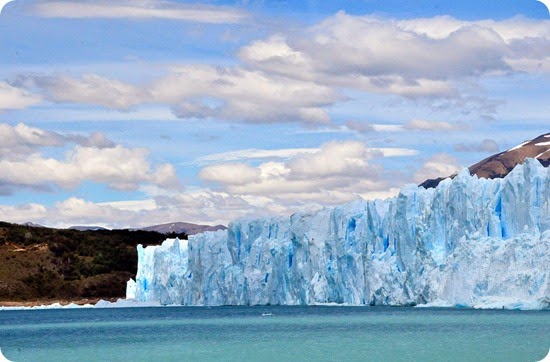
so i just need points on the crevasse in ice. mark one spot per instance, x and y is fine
(469, 242)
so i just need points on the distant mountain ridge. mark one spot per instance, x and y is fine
(85, 228)
(31, 224)
(168, 228)
(500, 164)
(182, 227)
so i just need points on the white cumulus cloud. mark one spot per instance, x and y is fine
(16, 98)
(427, 59)
(439, 165)
(198, 91)
(336, 172)
(89, 89)
(94, 158)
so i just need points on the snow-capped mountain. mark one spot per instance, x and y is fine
(500, 164)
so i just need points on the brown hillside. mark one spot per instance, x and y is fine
(38, 263)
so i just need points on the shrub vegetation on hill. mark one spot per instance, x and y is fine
(38, 263)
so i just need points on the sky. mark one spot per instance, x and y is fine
(129, 113)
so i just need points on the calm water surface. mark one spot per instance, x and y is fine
(274, 334)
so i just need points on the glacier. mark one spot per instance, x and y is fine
(469, 242)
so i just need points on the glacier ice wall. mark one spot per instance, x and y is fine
(469, 242)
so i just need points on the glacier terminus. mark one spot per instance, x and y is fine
(469, 242)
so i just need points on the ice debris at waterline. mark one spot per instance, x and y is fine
(3, 358)
(120, 303)
(470, 242)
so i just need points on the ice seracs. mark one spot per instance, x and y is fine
(469, 242)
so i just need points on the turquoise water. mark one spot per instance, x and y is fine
(284, 334)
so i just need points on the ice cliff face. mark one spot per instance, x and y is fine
(470, 242)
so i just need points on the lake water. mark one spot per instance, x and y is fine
(274, 334)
